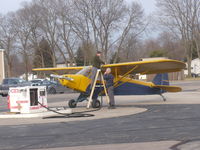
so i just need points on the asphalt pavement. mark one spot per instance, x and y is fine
(177, 122)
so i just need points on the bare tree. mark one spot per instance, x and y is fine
(48, 24)
(23, 29)
(180, 17)
(134, 25)
(171, 45)
(109, 23)
(68, 38)
(98, 18)
(7, 40)
(128, 50)
(34, 21)
(196, 27)
(105, 25)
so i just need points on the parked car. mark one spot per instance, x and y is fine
(53, 87)
(194, 75)
(12, 82)
(36, 82)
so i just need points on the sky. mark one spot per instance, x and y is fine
(13, 5)
(10, 5)
(148, 5)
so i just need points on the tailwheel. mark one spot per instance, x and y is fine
(96, 104)
(72, 103)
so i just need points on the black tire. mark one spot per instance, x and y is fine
(52, 91)
(4, 95)
(72, 103)
(96, 104)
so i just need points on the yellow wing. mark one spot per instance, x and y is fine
(142, 67)
(146, 67)
(63, 70)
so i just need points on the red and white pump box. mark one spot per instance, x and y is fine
(27, 99)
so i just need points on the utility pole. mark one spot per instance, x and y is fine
(2, 67)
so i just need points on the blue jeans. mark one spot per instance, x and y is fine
(111, 95)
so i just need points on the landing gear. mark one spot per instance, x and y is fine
(164, 99)
(52, 91)
(82, 97)
(96, 104)
(72, 103)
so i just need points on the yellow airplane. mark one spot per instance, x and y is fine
(123, 84)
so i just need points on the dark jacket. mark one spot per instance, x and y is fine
(97, 62)
(109, 80)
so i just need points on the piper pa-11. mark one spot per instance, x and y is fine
(124, 83)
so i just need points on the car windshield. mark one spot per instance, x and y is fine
(53, 82)
(85, 71)
(21, 81)
(5, 81)
(47, 82)
(35, 81)
(13, 81)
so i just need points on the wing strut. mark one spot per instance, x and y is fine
(127, 73)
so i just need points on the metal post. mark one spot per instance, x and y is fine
(2, 70)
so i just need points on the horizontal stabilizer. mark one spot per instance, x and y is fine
(168, 88)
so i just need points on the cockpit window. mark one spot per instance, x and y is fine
(86, 71)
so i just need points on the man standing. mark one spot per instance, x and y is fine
(96, 64)
(109, 78)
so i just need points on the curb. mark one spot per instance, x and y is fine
(33, 115)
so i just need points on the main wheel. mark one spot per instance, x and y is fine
(72, 103)
(96, 104)
(52, 91)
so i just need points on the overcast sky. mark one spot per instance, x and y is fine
(148, 5)
(12, 5)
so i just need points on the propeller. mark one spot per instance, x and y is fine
(61, 77)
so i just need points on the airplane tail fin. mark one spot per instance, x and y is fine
(161, 79)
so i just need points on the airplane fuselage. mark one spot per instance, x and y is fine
(126, 86)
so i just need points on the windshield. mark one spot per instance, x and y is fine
(13, 81)
(35, 81)
(5, 81)
(21, 81)
(85, 71)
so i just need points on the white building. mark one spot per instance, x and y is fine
(195, 66)
(61, 64)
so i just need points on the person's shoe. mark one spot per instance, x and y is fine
(111, 107)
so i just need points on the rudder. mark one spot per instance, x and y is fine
(161, 79)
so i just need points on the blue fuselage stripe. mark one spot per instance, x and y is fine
(136, 89)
